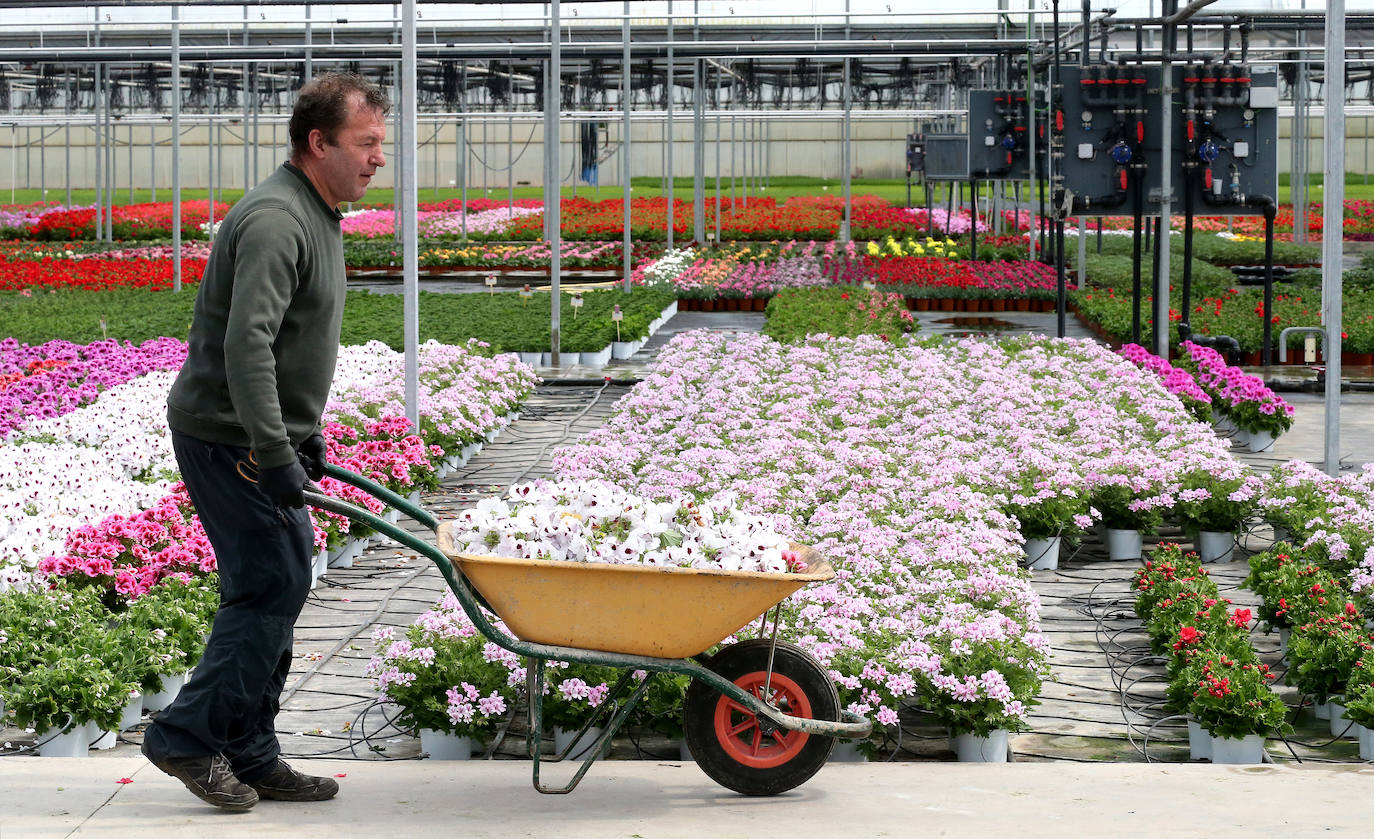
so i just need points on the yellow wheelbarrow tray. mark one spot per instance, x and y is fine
(652, 619)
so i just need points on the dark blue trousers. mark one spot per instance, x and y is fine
(264, 553)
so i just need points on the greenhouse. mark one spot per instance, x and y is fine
(680, 403)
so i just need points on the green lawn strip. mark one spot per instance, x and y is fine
(504, 320)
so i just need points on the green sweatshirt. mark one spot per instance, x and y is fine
(265, 335)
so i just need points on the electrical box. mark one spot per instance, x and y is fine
(946, 157)
(998, 123)
(1225, 138)
(915, 154)
(1108, 138)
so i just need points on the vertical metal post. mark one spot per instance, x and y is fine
(109, 157)
(510, 163)
(719, 85)
(698, 153)
(1166, 188)
(668, 131)
(176, 148)
(625, 245)
(247, 108)
(399, 123)
(553, 96)
(67, 150)
(1333, 204)
(1031, 161)
(43, 164)
(131, 162)
(1297, 182)
(407, 163)
(308, 68)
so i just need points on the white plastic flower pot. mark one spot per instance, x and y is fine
(1043, 554)
(69, 742)
(970, 748)
(595, 360)
(133, 712)
(1215, 546)
(99, 738)
(1233, 751)
(1321, 710)
(847, 752)
(1260, 441)
(1341, 726)
(1199, 742)
(621, 350)
(171, 686)
(564, 737)
(441, 745)
(533, 359)
(1222, 422)
(1123, 544)
(1280, 532)
(1284, 634)
(1366, 736)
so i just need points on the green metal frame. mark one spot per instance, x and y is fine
(851, 727)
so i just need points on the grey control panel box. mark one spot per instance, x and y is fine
(946, 157)
(1225, 137)
(1108, 126)
(998, 141)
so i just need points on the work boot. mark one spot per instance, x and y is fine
(210, 779)
(282, 783)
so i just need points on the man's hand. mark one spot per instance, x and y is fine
(312, 456)
(284, 484)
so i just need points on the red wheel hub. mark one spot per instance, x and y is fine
(762, 745)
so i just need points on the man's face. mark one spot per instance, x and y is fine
(347, 165)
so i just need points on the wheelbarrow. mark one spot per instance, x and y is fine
(760, 716)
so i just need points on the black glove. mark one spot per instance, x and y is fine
(312, 456)
(284, 484)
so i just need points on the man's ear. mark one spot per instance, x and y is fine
(316, 142)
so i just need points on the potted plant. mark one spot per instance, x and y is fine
(1324, 654)
(984, 697)
(1047, 508)
(1129, 508)
(574, 693)
(62, 694)
(1214, 506)
(1232, 700)
(1166, 574)
(451, 685)
(660, 709)
(1359, 703)
(171, 622)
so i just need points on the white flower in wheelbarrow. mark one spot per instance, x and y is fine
(597, 521)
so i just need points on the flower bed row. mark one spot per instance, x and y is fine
(900, 467)
(112, 458)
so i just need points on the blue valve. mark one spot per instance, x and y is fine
(1009, 142)
(1121, 154)
(1208, 151)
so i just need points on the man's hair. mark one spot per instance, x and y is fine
(324, 104)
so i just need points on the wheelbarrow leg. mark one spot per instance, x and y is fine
(534, 681)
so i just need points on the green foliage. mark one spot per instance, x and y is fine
(1359, 692)
(793, 314)
(503, 320)
(457, 660)
(1233, 697)
(1324, 654)
(1216, 511)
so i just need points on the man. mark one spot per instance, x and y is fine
(245, 414)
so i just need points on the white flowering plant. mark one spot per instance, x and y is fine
(1217, 501)
(597, 521)
(444, 675)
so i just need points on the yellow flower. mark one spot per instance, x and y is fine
(873, 249)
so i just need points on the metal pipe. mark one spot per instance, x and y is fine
(408, 175)
(552, 210)
(1333, 201)
(625, 94)
(668, 132)
(176, 148)
(1166, 192)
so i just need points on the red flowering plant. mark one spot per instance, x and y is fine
(1191, 647)
(1203, 612)
(1323, 653)
(1294, 591)
(1168, 573)
(1359, 692)
(1231, 696)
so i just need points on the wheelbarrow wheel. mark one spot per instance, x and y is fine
(747, 754)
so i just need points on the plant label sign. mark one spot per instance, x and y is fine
(526, 294)
(617, 316)
(491, 283)
(576, 303)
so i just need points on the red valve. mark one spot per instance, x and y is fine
(1042, 130)
(1059, 121)
(1190, 130)
(1123, 81)
(1139, 80)
(1242, 80)
(1008, 158)
(1123, 180)
(1207, 179)
(1087, 81)
(1018, 128)
(1140, 131)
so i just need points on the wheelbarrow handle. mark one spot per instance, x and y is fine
(376, 490)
